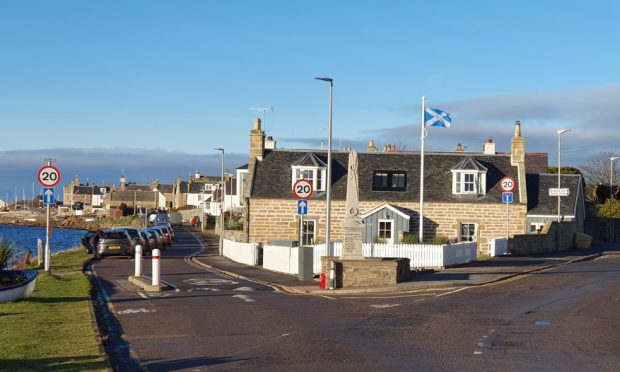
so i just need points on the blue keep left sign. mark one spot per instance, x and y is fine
(507, 197)
(302, 207)
(48, 196)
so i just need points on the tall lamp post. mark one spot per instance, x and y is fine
(611, 195)
(560, 132)
(221, 250)
(329, 167)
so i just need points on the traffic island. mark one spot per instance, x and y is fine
(146, 283)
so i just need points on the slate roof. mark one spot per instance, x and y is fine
(540, 203)
(119, 195)
(469, 163)
(273, 175)
(310, 160)
(165, 188)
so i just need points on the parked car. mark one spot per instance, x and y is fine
(176, 219)
(147, 248)
(166, 234)
(114, 242)
(167, 229)
(90, 240)
(161, 239)
(134, 236)
(152, 238)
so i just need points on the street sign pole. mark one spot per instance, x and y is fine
(48, 254)
(507, 220)
(49, 176)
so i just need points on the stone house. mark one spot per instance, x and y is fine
(462, 200)
(84, 198)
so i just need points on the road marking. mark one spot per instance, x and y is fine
(245, 298)
(477, 352)
(451, 292)
(203, 289)
(542, 323)
(244, 289)
(135, 311)
(329, 298)
(215, 281)
(384, 306)
(285, 334)
(143, 295)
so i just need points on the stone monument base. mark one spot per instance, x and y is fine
(367, 272)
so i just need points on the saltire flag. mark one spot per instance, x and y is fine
(436, 118)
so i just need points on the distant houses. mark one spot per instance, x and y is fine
(197, 193)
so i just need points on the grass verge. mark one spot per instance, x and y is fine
(53, 329)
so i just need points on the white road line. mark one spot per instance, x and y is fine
(245, 298)
(384, 306)
(329, 298)
(143, 295)
(451, 292)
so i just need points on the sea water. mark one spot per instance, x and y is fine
(25, 238)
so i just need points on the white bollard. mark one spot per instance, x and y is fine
(138, 260)
(155, 270)
(332, 275)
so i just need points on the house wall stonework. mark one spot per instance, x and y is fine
(272, 219)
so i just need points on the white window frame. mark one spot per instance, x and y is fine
(479, 183)
(474, 237)
(537, 227)
(391, 222)
(318, 177)
(304, 232)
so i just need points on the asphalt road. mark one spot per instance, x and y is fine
(567, 319)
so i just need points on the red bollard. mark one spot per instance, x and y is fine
(323, 281)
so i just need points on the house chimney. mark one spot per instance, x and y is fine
(489, 147)
(270, 143)
(459, 148)
(257, 150)
(371, 146)
(517, 159)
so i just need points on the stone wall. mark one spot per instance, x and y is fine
(545, 241)
(367, 272)
(277, 219)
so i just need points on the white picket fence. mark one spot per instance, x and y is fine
(245, 253)
(421, 256)
(286, 259)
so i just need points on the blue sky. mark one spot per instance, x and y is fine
(152, 87)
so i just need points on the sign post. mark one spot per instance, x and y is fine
(48, 176)
(507, 185)
(302, 190)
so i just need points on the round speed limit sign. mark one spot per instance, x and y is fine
(302, 189)
(48, 176)
(507, 184)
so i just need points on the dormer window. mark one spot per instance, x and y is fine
(312, 168)
(469, 178)
(389, 181)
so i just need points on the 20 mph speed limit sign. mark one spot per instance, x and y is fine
(302, 189)
(507, 184)
(48, 176)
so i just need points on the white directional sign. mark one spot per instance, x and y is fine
(507, 184)
(554, 191)
(302, 189)
(48, 176)
(302, 207)
(48, 196)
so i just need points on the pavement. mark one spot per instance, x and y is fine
(477, 273)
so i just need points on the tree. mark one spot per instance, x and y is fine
(611, 207)
(565, 170)
(597, 168)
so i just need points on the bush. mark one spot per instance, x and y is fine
(378, 240)
(7, 253)
(440, 239)
(411, 239)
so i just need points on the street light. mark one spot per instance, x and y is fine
(329, 166)
(221, 250)
(611, 193)
(560, 132)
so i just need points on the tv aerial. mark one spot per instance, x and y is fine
(261, 111)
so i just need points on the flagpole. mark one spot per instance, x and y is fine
(421, 224)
